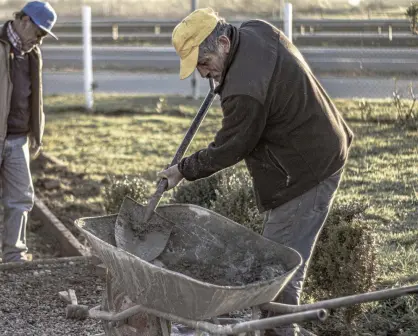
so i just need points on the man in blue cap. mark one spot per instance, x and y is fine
(21, 118)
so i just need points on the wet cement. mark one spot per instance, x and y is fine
(130, 220)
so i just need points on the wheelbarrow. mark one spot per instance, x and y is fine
(210, 267)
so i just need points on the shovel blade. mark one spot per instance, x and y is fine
(144, 240)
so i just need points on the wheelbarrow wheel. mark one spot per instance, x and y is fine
(115, 300)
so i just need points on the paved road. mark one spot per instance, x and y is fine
(138, 83)
(402, 60)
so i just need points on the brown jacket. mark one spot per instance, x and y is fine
(6, 87)
(277, 117)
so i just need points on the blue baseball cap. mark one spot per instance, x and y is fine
(42, 14)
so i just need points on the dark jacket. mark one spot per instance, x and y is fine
(277, 117)
(37, 120)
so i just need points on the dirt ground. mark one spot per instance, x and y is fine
(65, 193)
(53, 185)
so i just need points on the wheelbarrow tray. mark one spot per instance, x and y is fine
(203, 239)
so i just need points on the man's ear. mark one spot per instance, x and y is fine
(225, 43)
(25, 21)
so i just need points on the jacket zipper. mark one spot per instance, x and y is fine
(279, 166)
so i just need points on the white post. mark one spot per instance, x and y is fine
(195, 83)
(88, 60)
(288, 20)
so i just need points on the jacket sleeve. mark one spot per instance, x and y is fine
(242, 126)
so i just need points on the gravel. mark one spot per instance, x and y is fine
(29, 301)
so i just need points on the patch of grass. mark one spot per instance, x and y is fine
(381, 174)
(116, 104)
(380, 111)
(143, 141)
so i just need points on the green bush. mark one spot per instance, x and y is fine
(344, 261)
(200, 192)
(235, 199)
(134, 186)
(228, 193)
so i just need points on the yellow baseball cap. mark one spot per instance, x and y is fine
(189, 34)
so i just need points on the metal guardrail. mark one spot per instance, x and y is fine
(305, 39)
(315, 24)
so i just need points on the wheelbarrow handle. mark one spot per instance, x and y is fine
(214, 329)
(345, 301)
(162, 185)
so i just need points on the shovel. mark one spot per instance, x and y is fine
(145, 233)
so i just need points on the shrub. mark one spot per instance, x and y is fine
(200, 192)
(412, 14)
(407, 114)
(235, 199)
(134, 186)
(228, 193)
(344, 261)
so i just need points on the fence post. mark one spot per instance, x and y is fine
(288, 20)
(195, 84)
(88, 61)
(115, 31)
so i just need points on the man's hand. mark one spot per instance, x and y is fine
(34, 149)
(173, 176)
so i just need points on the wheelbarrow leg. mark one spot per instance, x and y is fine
(255, 313)
(115, 300)
(116, 313)
(164, 326)
(216, 321)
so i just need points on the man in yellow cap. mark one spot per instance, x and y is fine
(278, 118)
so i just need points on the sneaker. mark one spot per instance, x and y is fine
(23, 258)
(28, 257)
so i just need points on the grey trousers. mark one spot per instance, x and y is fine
(18, 196)
(297, 224)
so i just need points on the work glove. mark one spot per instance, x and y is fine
(173, 175)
